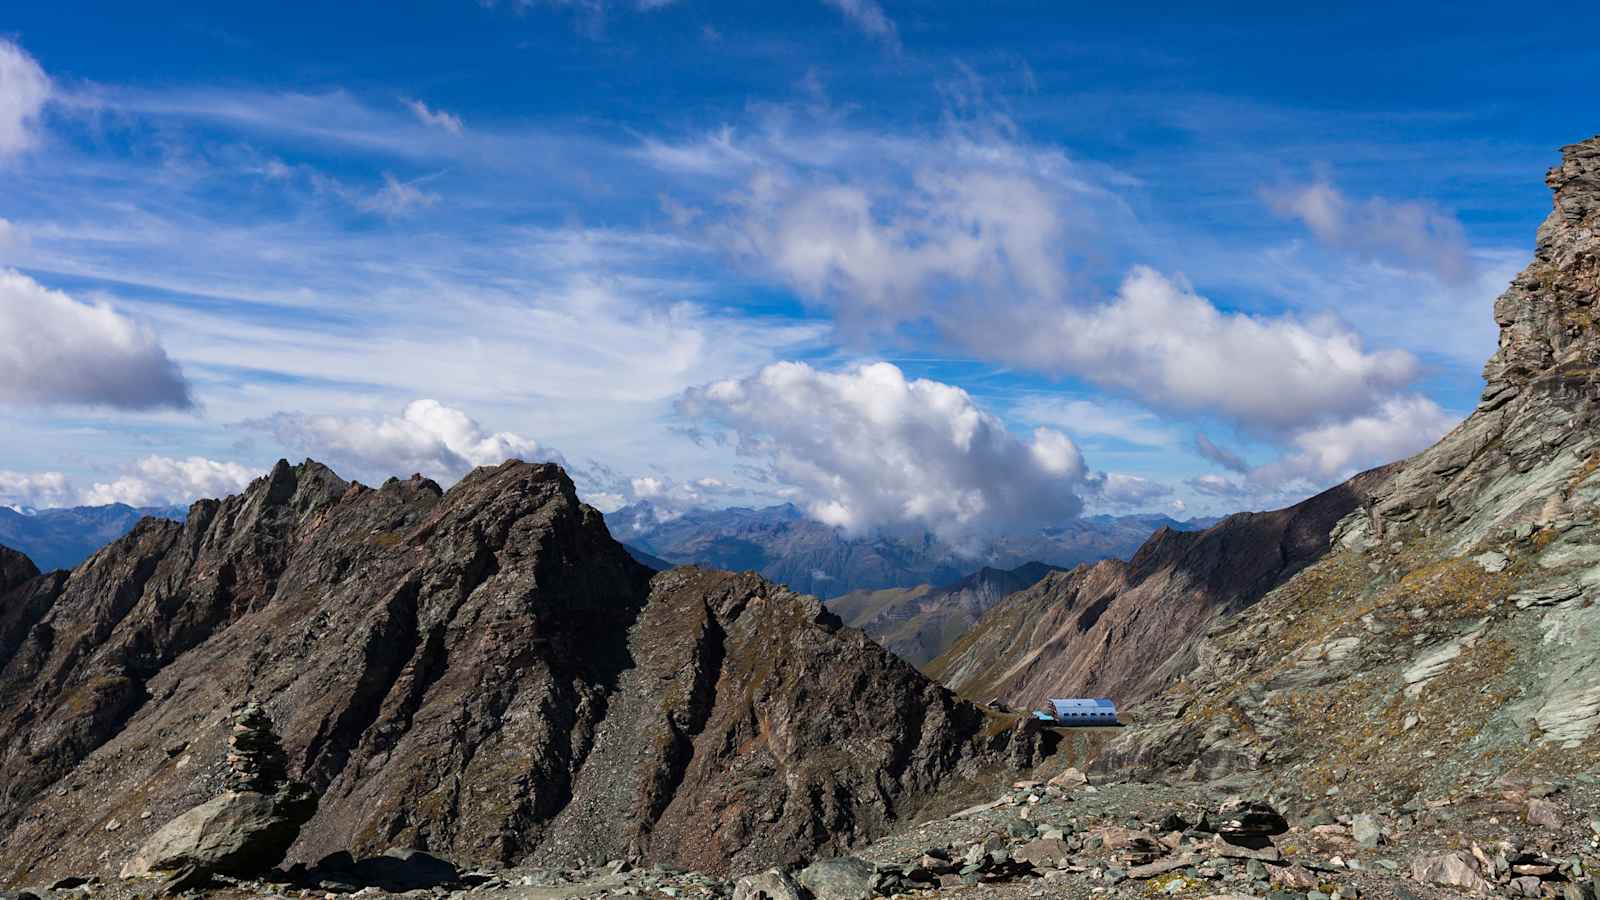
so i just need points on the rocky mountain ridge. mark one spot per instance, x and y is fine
(483, 673)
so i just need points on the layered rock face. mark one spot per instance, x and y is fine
(1127, 629)
(482, 673)
(1454, 627)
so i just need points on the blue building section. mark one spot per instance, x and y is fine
(1081, 711)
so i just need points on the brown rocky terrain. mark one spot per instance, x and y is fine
(482, 673)
(1127, 629)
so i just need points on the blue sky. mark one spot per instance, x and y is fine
(956, 266)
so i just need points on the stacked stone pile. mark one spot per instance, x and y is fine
(256, 760)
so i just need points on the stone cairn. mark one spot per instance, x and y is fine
(256, 761)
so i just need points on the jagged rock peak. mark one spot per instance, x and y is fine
(483, 672)
(1547, 315)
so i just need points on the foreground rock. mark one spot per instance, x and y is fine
(248, 829)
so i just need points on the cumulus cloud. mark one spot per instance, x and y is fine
(1404, 232)
(22, 489)
(427, 437)
(434, 118)
(1318, 456)
(24, 89)
(885, 254)
(160, 480)
(1160, 341)
(57, 350)
(1223, 457)
(867, 449)
(1399, 427)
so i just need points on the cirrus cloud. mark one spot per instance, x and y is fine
(24, 88)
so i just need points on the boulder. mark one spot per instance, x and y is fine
(1227, 849)
(1247, 821)
(773, 884)
(840, 878)
(1293, 877)
(1046, 853)
(1544, 814)
(237, 833)
(1069, 779)
(1367, 830)
(1455, 869)
(398, 871)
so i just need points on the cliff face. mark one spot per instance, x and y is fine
(482, 673)
(1126, 630)
(1455, 620)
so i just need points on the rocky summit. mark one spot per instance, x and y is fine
(482, 674)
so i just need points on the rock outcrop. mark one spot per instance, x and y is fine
(481, 673)
(1452, 629)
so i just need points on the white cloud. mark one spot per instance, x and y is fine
(1222, 456)
(1399, 427)
(427, 437)
(1321, 455)
(24, 88)
(160, 480)
(868, 16)
(1406, 232)
(57, 350)
(20, 489)
(867, 449)
(434, 118)
(886, 253)
(1161, 342)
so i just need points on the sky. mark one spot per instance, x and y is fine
(909, 265)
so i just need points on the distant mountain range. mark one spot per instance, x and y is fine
(920, 623)
(785, 545)
(62, 538)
